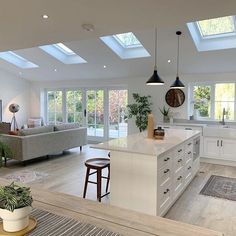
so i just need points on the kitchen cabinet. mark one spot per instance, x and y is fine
(220, 148)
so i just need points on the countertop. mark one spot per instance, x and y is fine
(139, 143)
(115, 219)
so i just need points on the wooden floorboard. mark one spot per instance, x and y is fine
(66, 174)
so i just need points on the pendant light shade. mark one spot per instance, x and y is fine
(177, 83)
(155, 78)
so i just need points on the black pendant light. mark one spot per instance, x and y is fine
(155, 78)
(177, 83)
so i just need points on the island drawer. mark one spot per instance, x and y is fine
(165, 196)
(188, 171)
(188, 155)
(165, 174)
(178, 183)
(178, 163)
(164, 160)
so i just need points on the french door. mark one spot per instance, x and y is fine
(102, 111)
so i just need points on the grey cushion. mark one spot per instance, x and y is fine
(66, 126)
(39, 130)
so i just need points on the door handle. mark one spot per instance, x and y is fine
(85, 113)
(217, 143)
(221, 143)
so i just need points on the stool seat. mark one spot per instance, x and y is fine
(95, 163)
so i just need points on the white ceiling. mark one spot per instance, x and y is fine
(21, 26)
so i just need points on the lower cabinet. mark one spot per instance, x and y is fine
(176, 170)
(219, 148)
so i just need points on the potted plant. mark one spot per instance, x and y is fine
(15, 207)
(140, 110)
(165, 113)
(5, 151)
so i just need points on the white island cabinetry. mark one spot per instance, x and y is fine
(149, 175)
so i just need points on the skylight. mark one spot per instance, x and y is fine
(217, 27)
(127, 40)
(17, 60)
(63, 53)
(125, 45)
(64, 49)
(214, 34)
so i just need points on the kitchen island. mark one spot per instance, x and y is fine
(149, 175)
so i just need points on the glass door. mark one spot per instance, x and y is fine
(95, 114)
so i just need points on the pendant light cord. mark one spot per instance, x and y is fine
(155, 48)
(178, 58)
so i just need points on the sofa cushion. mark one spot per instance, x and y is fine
(66, 126)
(39, 130)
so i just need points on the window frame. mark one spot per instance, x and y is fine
(212, 100)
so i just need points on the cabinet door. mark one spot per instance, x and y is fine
(228, 150)
(211, 147)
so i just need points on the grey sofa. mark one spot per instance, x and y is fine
(46, 140)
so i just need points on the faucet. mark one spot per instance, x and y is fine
(223, 117)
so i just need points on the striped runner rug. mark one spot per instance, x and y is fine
(50, 224)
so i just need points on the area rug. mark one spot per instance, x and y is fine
(25, 176)
(220, 187)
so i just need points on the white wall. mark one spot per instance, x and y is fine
(134, 85)
(14, 90)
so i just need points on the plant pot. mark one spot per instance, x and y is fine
(16, 220)
(166, 119)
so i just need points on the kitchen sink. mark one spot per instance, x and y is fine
(224, 131)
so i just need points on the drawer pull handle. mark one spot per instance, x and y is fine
(188, 129)
(180, 160)
(166, 171)
(167, 159)
(180, 150)
(180, 177)
(189, 144)
(189, 167)
(189, 152)
(167, 190)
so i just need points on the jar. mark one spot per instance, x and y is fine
(159, 133)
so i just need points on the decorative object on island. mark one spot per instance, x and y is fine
(15, 207)
(150, 126)
(177, 83)
(165, 113)
(155, 78)
(159, 133)
(175, 97)
(140, 110)
(13, 108)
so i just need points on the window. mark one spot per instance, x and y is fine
(127, 40)
(74, 106)
(209, 100)
(54, 107)
(217, 26)
(64, 49)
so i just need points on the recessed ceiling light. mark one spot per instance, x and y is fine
(55, 69)
(88, 27)
(20, 73)
(104, 66)
(169, 61)
(45, 16)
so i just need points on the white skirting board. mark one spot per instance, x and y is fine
(218, 161)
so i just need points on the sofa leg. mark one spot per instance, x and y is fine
(80, 148)
(5, 161)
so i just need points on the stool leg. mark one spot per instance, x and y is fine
(108, 180)
(99, 184)
(86, 182)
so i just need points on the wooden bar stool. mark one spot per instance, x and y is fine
(97, 164)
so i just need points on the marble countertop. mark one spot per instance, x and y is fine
(139, 143)
(182, 124)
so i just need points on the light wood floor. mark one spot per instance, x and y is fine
(66, 174)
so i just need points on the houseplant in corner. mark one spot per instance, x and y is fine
(140, 110)
(15, 207)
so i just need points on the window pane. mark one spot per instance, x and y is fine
(202, 97)
(79, 118)
(224, 92)
(70, 117)
(58, 100)
(59, 117)
(229, 110)
(70, 101)
(51, 102)
(78, 101)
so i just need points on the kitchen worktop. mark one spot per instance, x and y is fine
(139, 143)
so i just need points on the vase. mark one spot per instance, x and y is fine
(16, 220)
(166, 119)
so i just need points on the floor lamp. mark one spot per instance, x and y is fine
(13, 108)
